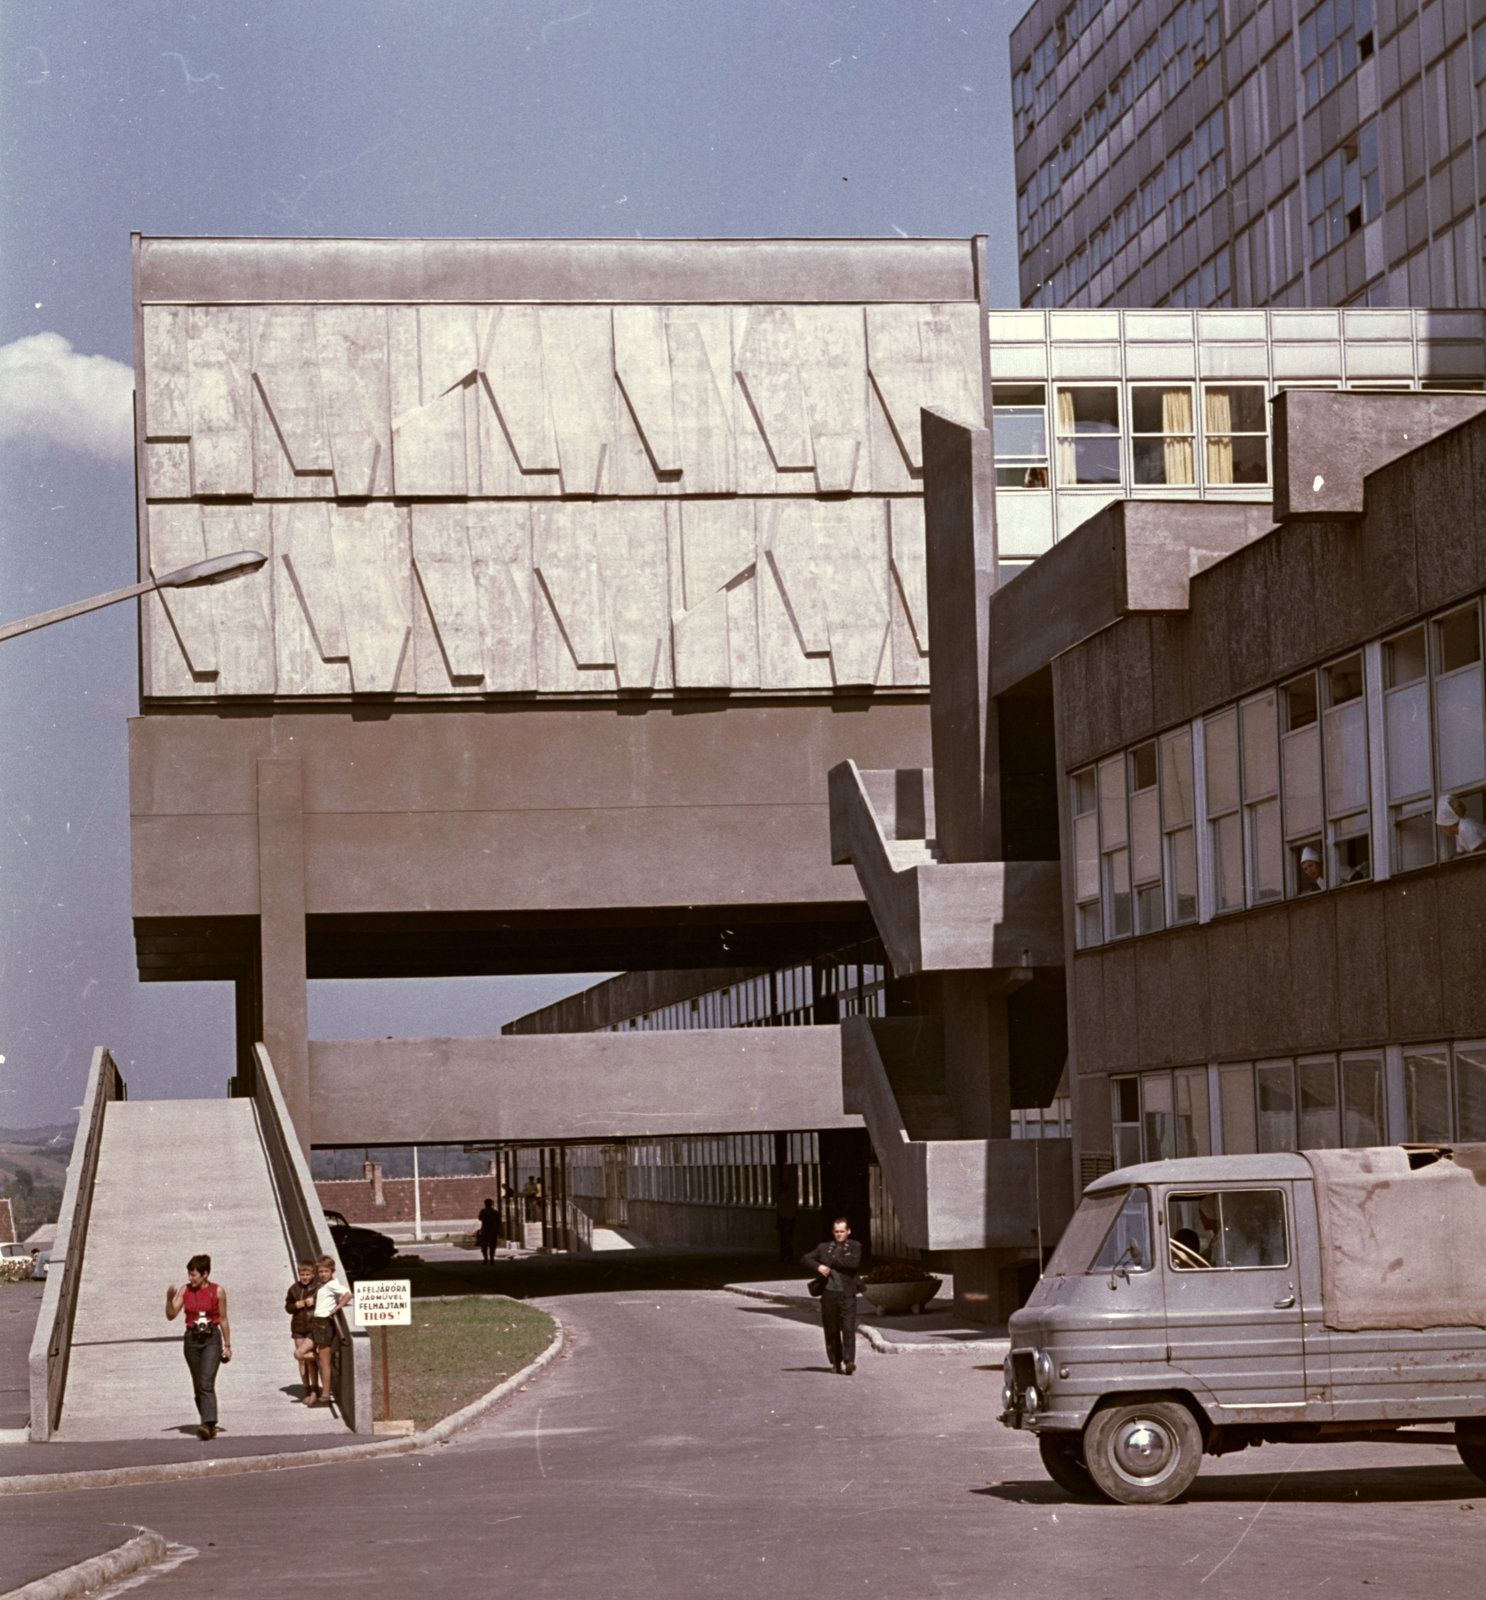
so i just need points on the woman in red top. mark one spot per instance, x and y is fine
(208, 1338)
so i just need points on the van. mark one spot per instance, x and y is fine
(1208, 1305)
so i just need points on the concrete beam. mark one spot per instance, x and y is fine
(576, 1086)
(1134, 555)
(1326, 442)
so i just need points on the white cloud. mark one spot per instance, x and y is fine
(51, 395)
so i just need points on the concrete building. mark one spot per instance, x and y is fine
(1271, 786)
(595, 635)
(1248, 154)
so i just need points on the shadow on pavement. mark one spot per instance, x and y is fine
(556, 1276)
(1330, 1486)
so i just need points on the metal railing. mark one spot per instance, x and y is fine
(579, 1226)
(52, 1345)
(309, 1234)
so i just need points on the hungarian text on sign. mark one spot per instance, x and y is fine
(383, 1303)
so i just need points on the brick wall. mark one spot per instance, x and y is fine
(443, 1199)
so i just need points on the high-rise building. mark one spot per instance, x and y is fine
(1249, 152)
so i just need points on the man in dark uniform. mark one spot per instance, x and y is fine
(838, 1261)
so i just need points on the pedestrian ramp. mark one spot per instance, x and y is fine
(151, 1184)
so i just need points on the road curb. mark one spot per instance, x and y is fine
(143, 1550)
(883, 1347)
(232, 1466)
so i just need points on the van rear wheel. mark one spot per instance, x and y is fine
(1144, 1453)
(1470, 1441)
(1063, 1456)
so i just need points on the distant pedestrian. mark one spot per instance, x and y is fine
(208, 1341)
(299, 1302)
(786, 1213)
(331, 1296)
(531, 1194)
(489, 1230)
(838, 1261)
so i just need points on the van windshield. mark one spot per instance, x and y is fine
(1113, 1218)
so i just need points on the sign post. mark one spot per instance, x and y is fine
(385, 1303)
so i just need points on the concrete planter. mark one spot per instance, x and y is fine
(893, 1299)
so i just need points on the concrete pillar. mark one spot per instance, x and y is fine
(284, 989)
(960, 554)
(977, 1063)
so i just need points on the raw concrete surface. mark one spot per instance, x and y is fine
(36, 1549)
(691, 1442)
(177, 1177)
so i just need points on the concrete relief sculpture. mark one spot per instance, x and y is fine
(466, 500)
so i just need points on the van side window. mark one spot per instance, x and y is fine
(1226, 1228)
(1128, 1242)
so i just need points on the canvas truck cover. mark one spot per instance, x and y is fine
(1402, 1246)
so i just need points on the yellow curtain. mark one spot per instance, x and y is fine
(1219, 420)
(1176, 424)
(1067, 457)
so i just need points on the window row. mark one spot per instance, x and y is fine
(1166, 436)
(1344, 191)
(1314, 1102)
(1279, 795)
(1210, 285)
(1333, 39)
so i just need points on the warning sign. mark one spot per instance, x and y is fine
(383, 1303)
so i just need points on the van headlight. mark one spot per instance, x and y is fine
(1008, 1397)
(1032, 1400)
(1042, 1365)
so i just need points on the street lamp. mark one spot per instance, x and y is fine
(197, 576)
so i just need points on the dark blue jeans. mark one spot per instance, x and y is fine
(838, 1312)
(204, 1356)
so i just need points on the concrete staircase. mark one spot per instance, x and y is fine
(178, 1177)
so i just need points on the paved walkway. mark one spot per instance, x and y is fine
(178, 1177)
(695, 1443)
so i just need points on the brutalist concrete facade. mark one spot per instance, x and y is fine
(1271, 787)
(1246, 154)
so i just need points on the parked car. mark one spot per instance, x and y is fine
(364, 1252)
(1211, 1304)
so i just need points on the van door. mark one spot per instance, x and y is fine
(1233, 1305)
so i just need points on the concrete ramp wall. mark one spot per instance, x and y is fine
(560, 1086)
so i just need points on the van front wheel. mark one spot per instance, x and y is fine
(1063, 1456)
(1143, 1454)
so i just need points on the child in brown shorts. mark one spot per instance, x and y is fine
(299, 1302)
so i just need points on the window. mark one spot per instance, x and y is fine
(1020, 414)
(1227, 1229)
(1445, 1092)
(1344, 192)
(1147, 65)
(1152, 197)
(1461, 730)
(1212, 166)
(1224, 822)
(1181, 187)
(1300, 761)
(1215, 285)
(1176, 60)
(1406, 735)
(1348, 823)
(1333, 39)
(1126, 221)
(1088, 436)
(1089, 915)
(1128, 1244)
(1178, 818)
(1023, 116)
(1145, 839)
(1470, 1092)
(1235, 423)
(1161, 426)
(1125, 1112)
(1261, 793)
(1101, 248)
(1114, 842)
(1306, 1105)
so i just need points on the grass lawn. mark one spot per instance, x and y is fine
(455, 1351)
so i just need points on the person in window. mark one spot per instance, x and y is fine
(1312, 871)
(1451, 819)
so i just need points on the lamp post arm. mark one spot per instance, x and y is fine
(201, 573)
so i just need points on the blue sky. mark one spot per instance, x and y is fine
(689, 118)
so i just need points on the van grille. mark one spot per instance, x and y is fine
(1022, 1369)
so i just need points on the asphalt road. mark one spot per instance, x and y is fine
(691, 1442)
